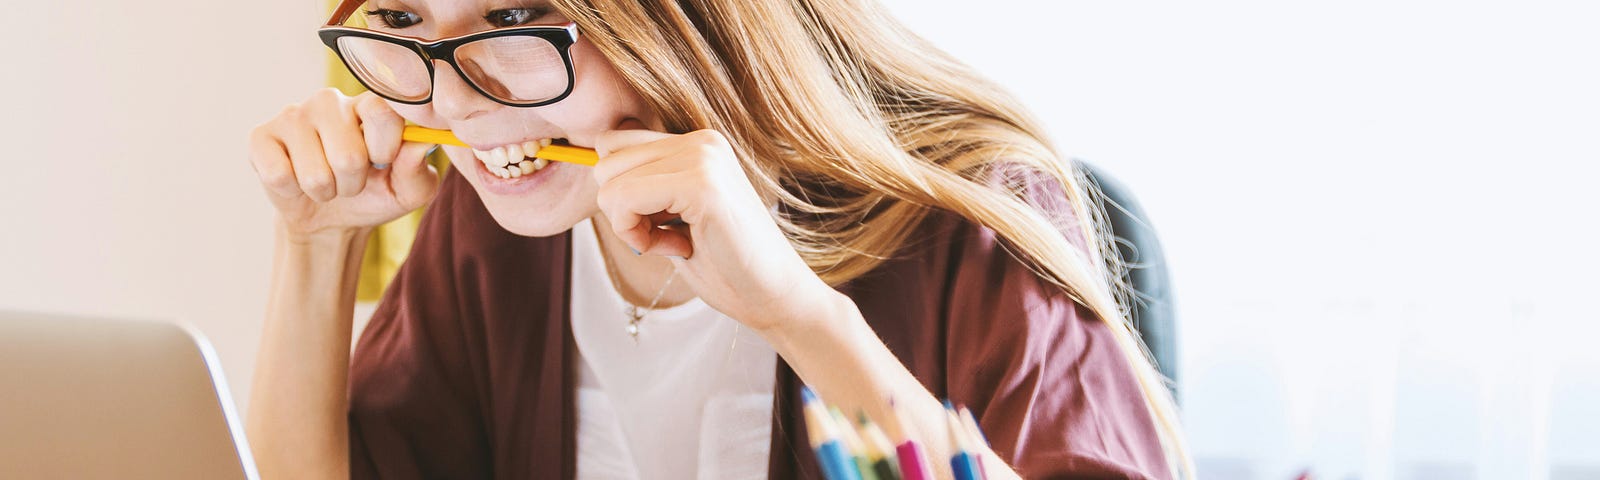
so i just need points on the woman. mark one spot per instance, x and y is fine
(787, 192)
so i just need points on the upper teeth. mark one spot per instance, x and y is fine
(511, 161)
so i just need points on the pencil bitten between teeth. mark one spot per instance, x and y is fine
(546, 149)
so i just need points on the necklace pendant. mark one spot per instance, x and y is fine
(633, 321)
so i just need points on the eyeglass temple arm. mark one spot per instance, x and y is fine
(343, 11)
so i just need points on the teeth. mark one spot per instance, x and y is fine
(511, 161)
(503, 155)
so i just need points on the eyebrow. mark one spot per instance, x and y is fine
(494, 5)
(391, 5)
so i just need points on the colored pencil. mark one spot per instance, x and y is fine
(835, 463)
(907, 453)
(975, 435)
(879, 452)
(852, 444)
(962, 462)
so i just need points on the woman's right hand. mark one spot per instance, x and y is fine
(337, 163)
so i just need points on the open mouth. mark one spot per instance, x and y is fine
(515, 160)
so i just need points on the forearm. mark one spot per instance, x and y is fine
(843, 360)
(298, 402)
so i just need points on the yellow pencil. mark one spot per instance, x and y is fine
(558, 153)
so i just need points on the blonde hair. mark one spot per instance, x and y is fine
(858, 128)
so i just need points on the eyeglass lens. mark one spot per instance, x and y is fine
(517, 69)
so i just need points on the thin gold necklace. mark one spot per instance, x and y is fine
(634, 313)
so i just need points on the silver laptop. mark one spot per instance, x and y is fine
(85, 398)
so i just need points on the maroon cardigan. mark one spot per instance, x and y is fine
(465, 370)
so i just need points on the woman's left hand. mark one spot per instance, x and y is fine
(728, 247)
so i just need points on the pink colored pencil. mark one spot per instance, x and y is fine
(913, 465)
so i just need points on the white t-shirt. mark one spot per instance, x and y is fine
(692, 398)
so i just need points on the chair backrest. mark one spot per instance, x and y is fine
(1152, 309)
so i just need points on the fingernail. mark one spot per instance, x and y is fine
(380, 166)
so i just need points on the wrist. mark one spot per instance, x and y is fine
(341, 239)
(825, 313)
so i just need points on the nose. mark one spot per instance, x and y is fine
(453, 98)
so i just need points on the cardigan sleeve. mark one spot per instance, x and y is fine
(1045, 376)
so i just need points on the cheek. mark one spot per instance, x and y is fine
(599, 99)
(419, 114)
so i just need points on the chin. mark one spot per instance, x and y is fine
(521, 223)
(529, 219)
(559, 201)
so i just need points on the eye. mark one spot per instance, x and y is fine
(511, 17)
(395, 18)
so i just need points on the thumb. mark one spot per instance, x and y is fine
(412, 179)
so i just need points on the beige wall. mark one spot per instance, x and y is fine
(124, 188)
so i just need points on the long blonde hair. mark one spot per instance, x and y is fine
(858, 128)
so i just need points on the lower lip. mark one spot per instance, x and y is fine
(516, 185)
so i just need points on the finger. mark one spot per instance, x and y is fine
(311, 169)
(632, 160)
(667, 242)
(380, 127)
(646, 237)
(614, 140)
(669, 236)
(271, 163)
(413, 180)
(630, 203)
(342, 144)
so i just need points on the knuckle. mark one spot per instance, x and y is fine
(277, 177)
(292, 112)
(709, 137)
(348, 160)
(372, 103)
(261, 134)
(315, 184)
(707, 150)
(328, 94)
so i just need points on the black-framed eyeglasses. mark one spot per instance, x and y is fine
(518, 66)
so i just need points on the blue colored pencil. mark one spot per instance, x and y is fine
(836, 463)
(962, 461)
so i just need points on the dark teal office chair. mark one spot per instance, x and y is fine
(1152, 311)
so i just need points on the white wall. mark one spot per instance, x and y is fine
(1378, 212)
(125, 190)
